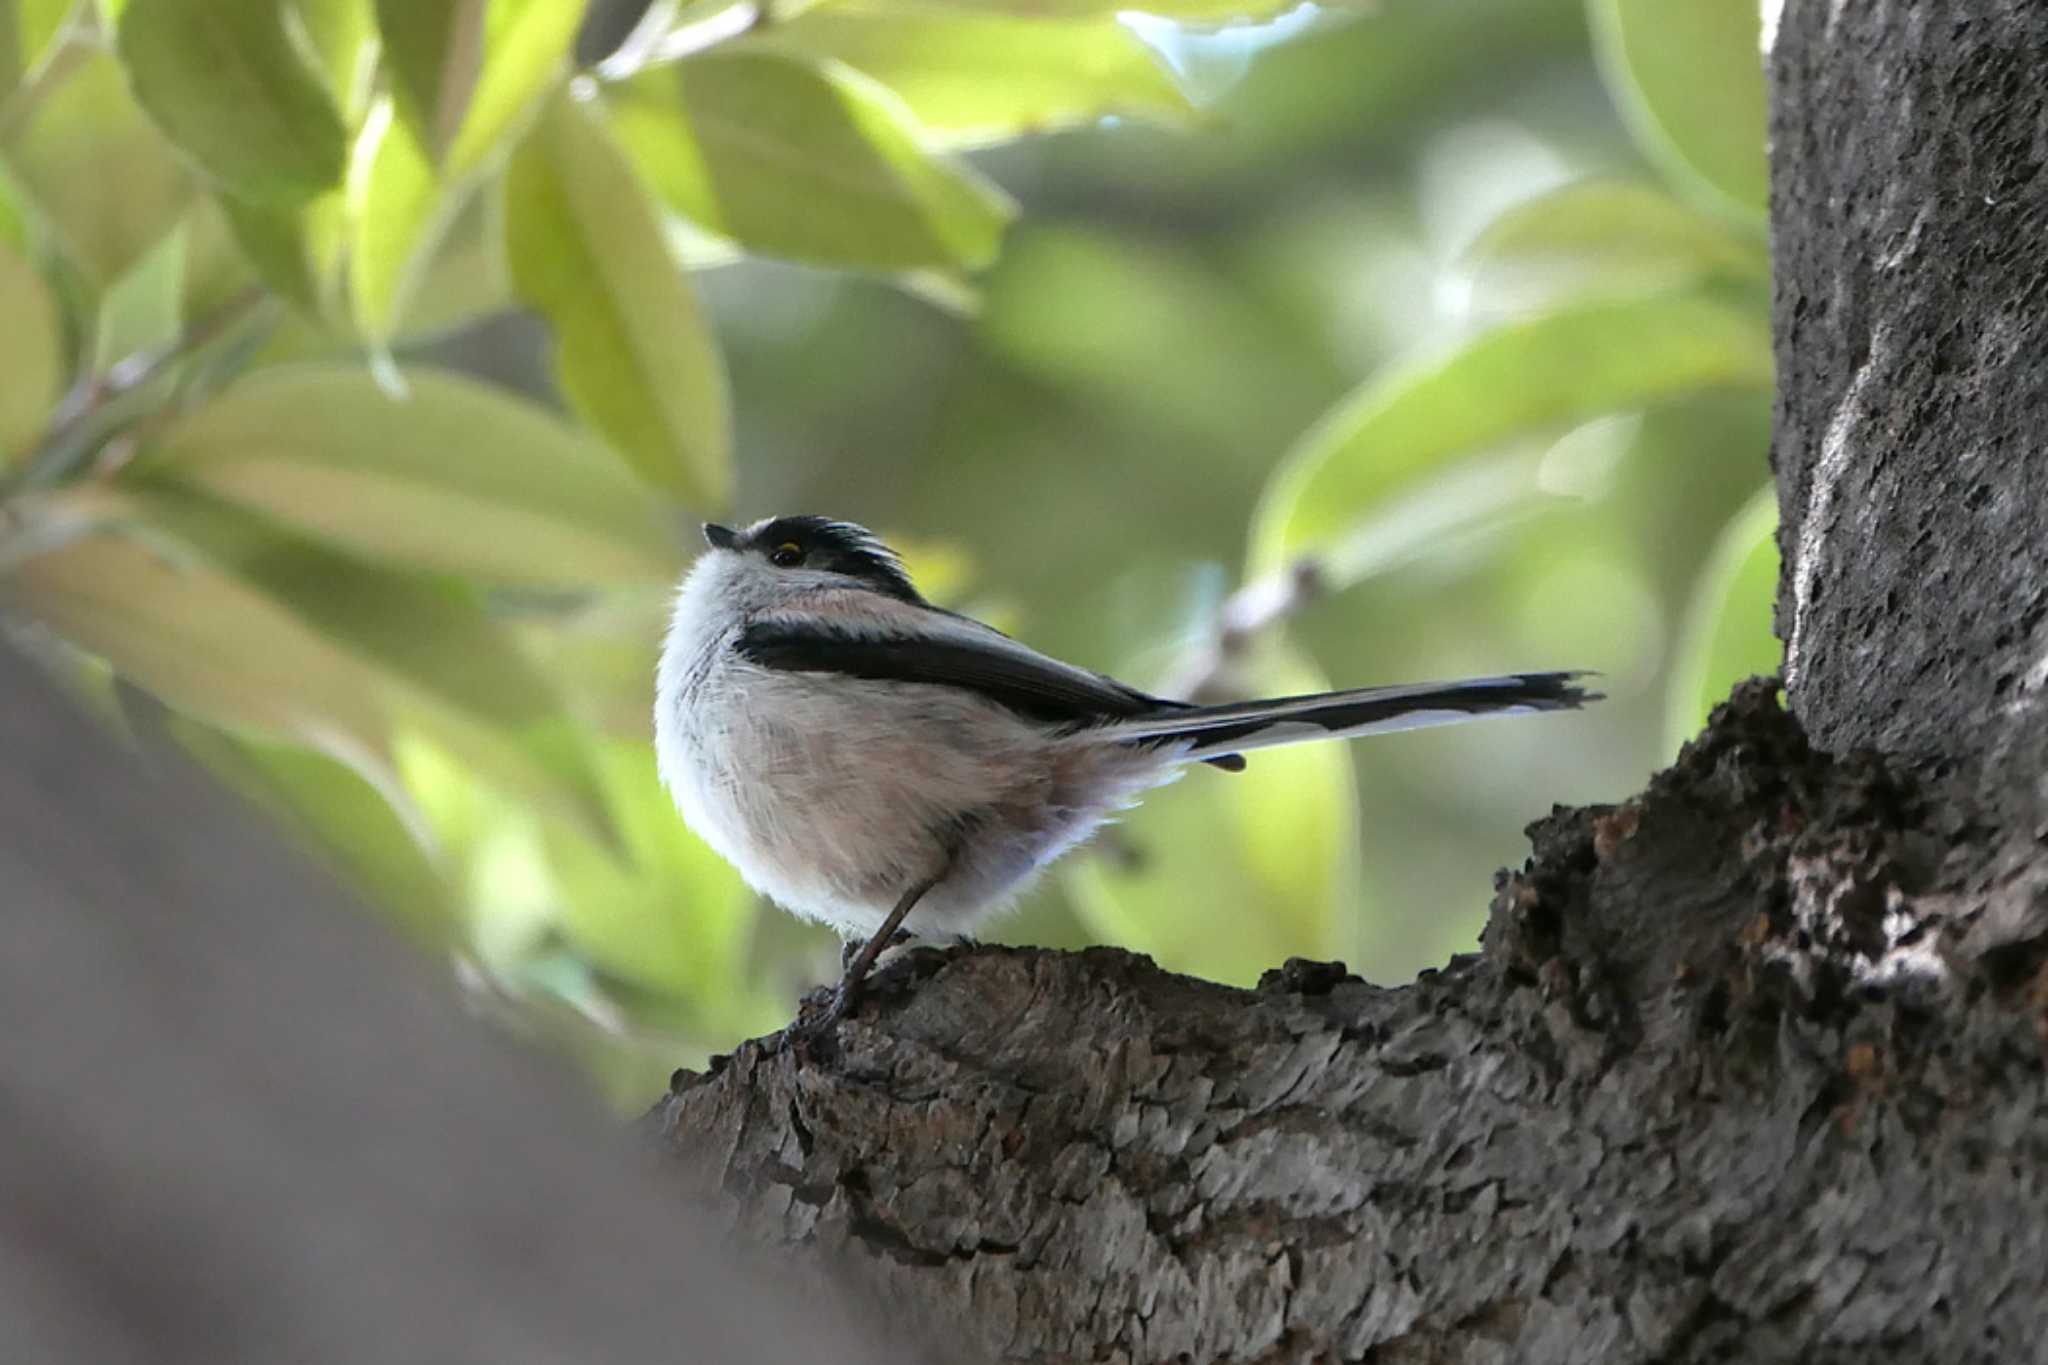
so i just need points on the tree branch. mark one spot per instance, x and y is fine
(1669, 1112)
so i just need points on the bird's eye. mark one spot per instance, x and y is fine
(787, 555)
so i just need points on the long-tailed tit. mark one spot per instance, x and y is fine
(877, 763)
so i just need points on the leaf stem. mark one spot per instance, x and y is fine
(61, 451)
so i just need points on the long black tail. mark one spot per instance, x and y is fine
(1240, 726)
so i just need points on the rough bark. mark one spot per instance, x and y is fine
(1910, 211)
(1750, 1066)
(1691, 1101)
(241, 1124)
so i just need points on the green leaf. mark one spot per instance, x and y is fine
(195, 636)
(144, 309)
(217, 269)
(526, 51)
(812, 161)
(399, 213)
(454, 476)
(31, 356)
(1211, 11)
(248, 627)
(1564, 367)
(976, 78)
(107, 182)
(296, 249)
(29, 30)
(1688, 76)
(466, 70)
(1225, 874)
(232, 89)
(435, 52)
(633, 350)
(347, 821)
(1608, 237)
(663, 911)
(1727, 635)
(340, 34)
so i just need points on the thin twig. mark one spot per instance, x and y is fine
(59, 452)
(1208, 674)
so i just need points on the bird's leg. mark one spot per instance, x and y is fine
(849, 949)
(856, 970)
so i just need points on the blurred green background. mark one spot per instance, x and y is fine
(1110, 322)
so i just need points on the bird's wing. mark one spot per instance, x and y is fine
(945, 651)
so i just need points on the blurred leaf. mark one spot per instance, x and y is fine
(1563, 367)
(466, 276)
(28, 33)
(197, 637)
(216, 267)
(1224, 874)
(340, 34)
(464, 70)
(1216, 11)
(814, 162)
(1727, 632)
(1156, 333)
(241, 625)
(633, 349)
(435, 52)
(976, 78)
(1608, 237)
(526, 50)
(144, 309)
(31, 356)
(232, 89)
(108, 183)
(665, 912)
(397, 214)
(296, 249)
(1688, 76)
(455, 476)
(345, 820)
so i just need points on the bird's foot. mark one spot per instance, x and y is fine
(853, 947)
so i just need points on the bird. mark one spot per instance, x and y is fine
(888, 767)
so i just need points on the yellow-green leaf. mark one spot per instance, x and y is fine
(230, 87)
(466, 70)
(662, 911)
(633, 350)
(340, 35)
(808, 160)
(1608, 237)
(1563, 367)
(435, 52)
(31, 356)
(972, 78)
(1210, 11)
(143, 310)
(107, 182)
(454, 476)
(249, 627)
(29, 30)
(1727, 634)
(398, 211)
(197, 637)
(348, 822)
(296, 249)
(1689, 77)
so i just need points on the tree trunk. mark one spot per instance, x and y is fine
(1750, 1066)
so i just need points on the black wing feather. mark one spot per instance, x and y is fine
(1039, 689)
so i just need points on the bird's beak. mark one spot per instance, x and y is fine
(719, 537)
